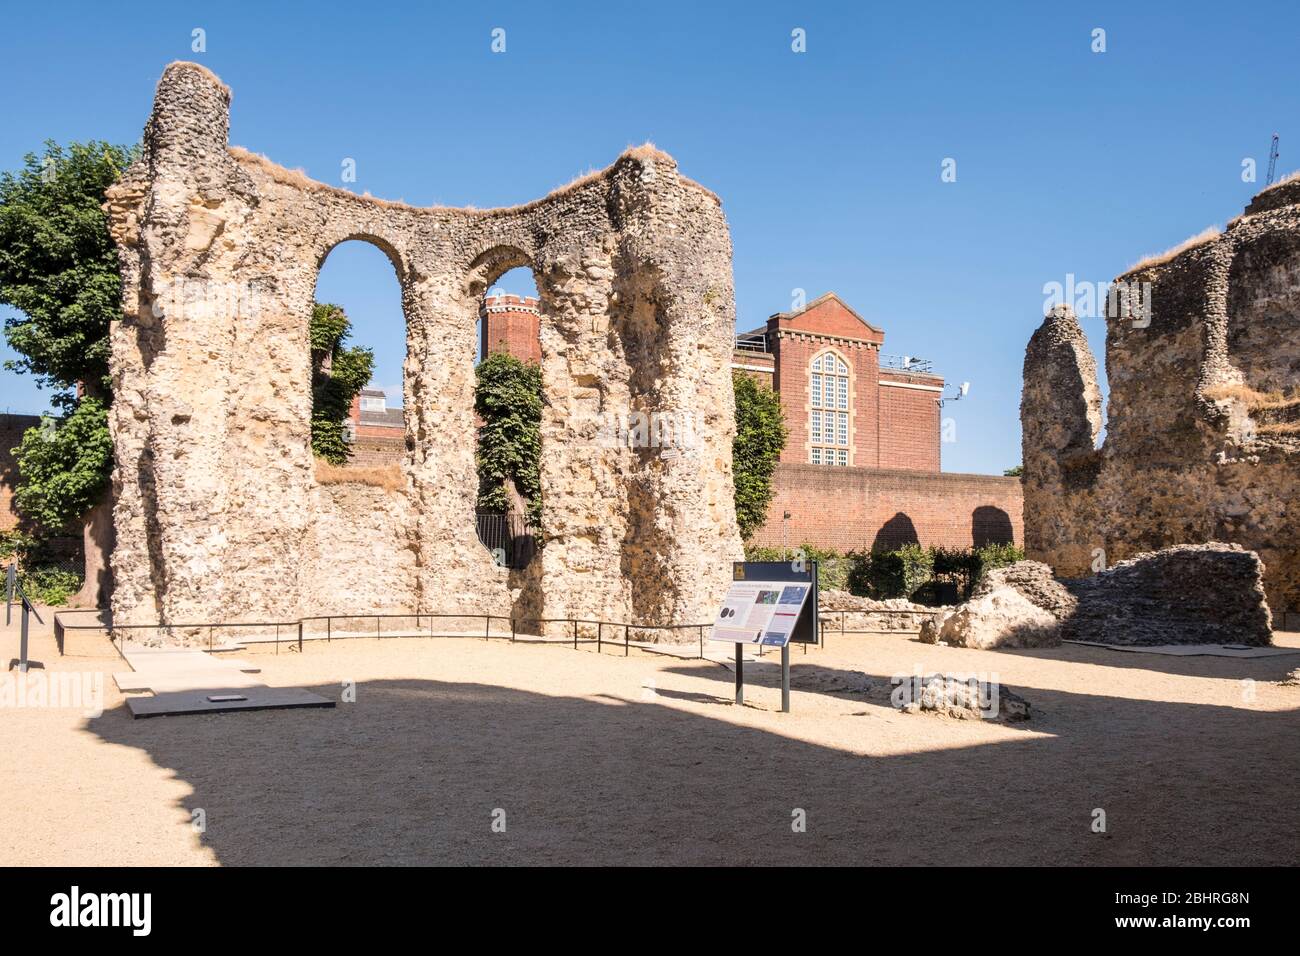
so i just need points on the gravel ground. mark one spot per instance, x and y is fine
(597, 758)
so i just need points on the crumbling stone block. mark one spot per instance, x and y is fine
(1035, 582)
(1191, 594)
(999, 618)
(963, 698)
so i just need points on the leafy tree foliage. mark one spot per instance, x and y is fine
(508, 399)
(338, 374)
(1015, 472)
(760, 437)
(58, 265)
(64, 466)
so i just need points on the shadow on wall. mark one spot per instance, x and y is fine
(895, 533)
(990, 525)
(575, 776)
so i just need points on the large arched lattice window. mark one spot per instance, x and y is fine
(828, 431)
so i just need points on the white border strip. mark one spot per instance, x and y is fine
(923, 388)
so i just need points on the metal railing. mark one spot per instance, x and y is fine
(906, 363)
(911, 615)
(329, 627)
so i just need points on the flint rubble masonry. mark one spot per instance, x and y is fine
(215, 495)
(1203, 424)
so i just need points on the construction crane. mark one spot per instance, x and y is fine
(1272, 161)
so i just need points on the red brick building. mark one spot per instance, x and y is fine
(861, 466)
(844, 403)
(377, 432)
(11, 436)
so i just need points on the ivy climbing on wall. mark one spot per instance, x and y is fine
(508, 400)
(339, 372)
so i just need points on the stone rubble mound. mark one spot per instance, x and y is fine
(830, 599)
(965, 699)
(1001, 618)
(1186, 594)
(1035, 582)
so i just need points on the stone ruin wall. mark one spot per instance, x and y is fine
(1190, 456)
(218, 514)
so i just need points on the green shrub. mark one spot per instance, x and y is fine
(912, 571)
(14, 545)
(890, 574)
(832, 566)
(760, 435)
(997, 556)
(334, 383)
(49, 583)
(508, 400)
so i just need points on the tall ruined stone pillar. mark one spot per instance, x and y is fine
(455, 570)
(211, 462)
(1060, 415)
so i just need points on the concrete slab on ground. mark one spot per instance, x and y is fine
(188, 681)
(186, 702)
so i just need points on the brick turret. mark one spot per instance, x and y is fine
(511, 324)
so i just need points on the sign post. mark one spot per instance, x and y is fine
(740, 674)
(12, 587)
(785, 678)
(769, 604)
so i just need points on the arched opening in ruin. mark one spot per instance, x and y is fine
(358, 342)
(508, 406)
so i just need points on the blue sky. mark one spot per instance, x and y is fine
(828, 161)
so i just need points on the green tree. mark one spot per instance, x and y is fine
(760, 437)
(58, 268)
(338, 374)
(508, 400)
(58, 265)
(1015, 472)
(63, 464)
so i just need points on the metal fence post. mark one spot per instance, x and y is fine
(575, 634)
(512, 630)
(625, 640)
(300, 637)
(329, 629)
(701, 642)
(600, 626)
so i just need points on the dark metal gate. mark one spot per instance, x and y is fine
(512, 540)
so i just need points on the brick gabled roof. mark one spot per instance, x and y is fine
(822, 300)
